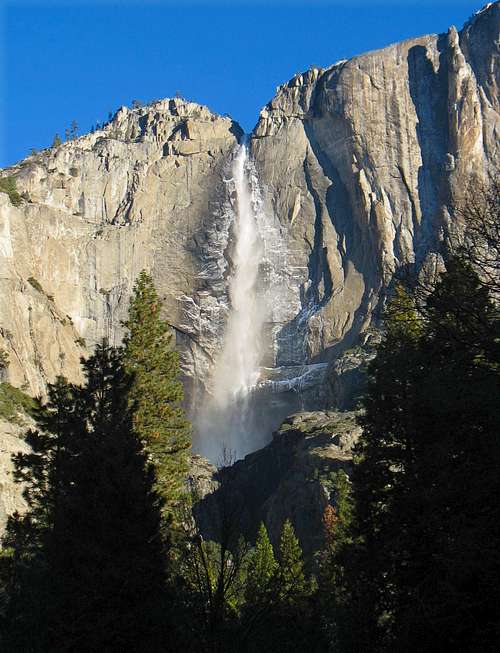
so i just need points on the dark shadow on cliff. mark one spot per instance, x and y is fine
(428, 90)
(360, 246)
(282, 480)
(479, 44)
(357, 250)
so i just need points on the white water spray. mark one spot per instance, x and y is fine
(237, 368)
(229, 419)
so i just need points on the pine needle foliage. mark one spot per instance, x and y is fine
(85, 564)
(157, 393)
(261, 568)
(15, 405)
(426, 472)
(292, 581)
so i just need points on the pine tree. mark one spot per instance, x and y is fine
(291, 580)
(262, 567)
(157, 392)
(87, 566)
(107, 558)
(334, 596)
(57, 141)
(260, 594)
(28, 537)
(287, 625)
(337, 525)
(426, 474)
(384, 458)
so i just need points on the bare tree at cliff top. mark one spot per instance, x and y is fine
(478, 214)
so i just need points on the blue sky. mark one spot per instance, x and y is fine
(67, 61)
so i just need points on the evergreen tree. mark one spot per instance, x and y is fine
(262, 567)
(57, 141)
(28, 537)
(427, 468)
(288, 625)
(338, 520)
(260, 594)
(333, 595)
(291, 579)
(8, 185)
(87, 569)
(157, 392)
(108, 561)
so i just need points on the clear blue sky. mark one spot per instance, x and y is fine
(65, 61)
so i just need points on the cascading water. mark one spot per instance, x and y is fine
(230, 421)
(237, 369)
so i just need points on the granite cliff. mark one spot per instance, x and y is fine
(146, 191)
(362, 160)
(357, 164)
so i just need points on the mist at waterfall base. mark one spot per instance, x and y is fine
(237, 418)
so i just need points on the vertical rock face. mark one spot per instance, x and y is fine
(360, 161)
(11, 498)
(357, 165)
(146, 191)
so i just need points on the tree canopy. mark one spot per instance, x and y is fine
(156, 392)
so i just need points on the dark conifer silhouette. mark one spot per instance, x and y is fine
(87, 562)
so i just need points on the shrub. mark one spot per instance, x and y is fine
(36, 284)
(14, 403)
(8, 185)
(4, 360)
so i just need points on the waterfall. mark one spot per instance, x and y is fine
(229, 421)
(237, 368)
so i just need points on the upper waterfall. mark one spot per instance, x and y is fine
(232, 420)
(237, 367)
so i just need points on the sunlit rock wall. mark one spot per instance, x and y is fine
(357, 164)
(361, 162)
(146, 191)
